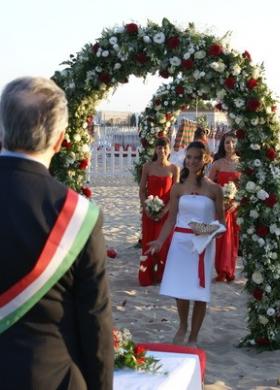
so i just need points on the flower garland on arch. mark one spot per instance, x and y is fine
(201, 66)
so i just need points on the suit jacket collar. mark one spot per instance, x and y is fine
(22, 164)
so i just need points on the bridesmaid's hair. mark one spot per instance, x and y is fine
(221, 153)
(161, 141)
(185, 172)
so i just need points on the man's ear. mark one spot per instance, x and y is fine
(58, 142)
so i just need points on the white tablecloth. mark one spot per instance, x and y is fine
(179, 371)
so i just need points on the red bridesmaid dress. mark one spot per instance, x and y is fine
(227, 245)
(151, 269)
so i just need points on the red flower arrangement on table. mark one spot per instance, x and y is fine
(130, 355)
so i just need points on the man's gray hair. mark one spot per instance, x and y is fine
(33, 111)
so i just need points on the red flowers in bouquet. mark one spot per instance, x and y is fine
(215, 50)
(271, 200)
(230, 82)
(131, 28)
(271, 153)
(128, 354)
(173, 42)
(87, 192)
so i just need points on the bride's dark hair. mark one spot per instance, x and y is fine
(185, 172)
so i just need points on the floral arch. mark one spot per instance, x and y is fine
(201, 66)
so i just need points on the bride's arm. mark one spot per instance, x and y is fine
(154, 246)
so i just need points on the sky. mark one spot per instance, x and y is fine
(36, 35)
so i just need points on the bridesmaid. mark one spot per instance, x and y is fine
(157, 178)
(224, 170)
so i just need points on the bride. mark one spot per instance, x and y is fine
(187, 274)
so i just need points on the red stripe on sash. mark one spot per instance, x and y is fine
(201, 269)
(48, 251)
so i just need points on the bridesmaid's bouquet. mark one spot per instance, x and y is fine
(229, 190)
(130, 355)
(154, 205)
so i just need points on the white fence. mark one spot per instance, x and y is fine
(112, 165)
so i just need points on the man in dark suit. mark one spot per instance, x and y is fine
(55, 311)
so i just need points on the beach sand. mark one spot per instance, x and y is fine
(152, 318)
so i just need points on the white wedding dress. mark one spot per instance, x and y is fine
(181, 276)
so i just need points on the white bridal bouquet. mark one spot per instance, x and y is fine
(154, 205)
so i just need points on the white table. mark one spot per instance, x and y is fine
(179, 371)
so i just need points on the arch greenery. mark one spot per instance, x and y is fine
(201, 66)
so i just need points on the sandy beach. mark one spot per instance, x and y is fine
(152, 318)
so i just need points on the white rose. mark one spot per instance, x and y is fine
(270, 312)
(200, 54)
(221, 94)
(147, 39)
(239, 102)
(175, 61)
(186, 56)
(236, 70)
(116, 47)
(268, 288)
(196, 74)
(98, 69)
(105, 53)
(254, 214)
(255, 73)
(257, 277)
(255, 146)
(261, 242)
(262, 195)
(240, 221)
(113, 40)
(257, 163)
(251, 230)
(274, 255)
(263, 320)
(218, 66)
(255, 121)
(250, 186)
(119, 29)
(268, 110)
(238, 119)
(159, 38)
(85, 148)
(255, 237)
(117, 66)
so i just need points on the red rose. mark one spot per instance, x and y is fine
(184, 107)
(141, 58)
(83, 164)
(249, 171)
(164, 73)
(271, 154)
(187, 64)
(104, 77)
(157, 102)
(173, 42)
(230, 82)
(90, 119)
(251, 83)
(95, 47)
(168, 116)
(244, 201)
(218, 106)
(160, 134)
(258, 294)
(247, 55)
(274, 108)
(262, 230)
(215, 50)
(131, 28)
(140, 361)
(112, 253)
(87, 192)
(253, 104)
(144, 143)
(240, 134)
(180, 90)
(262, 341)
(139, 350)
(66, 144)
(271, 200)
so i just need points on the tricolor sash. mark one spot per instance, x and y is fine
(71, 230)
